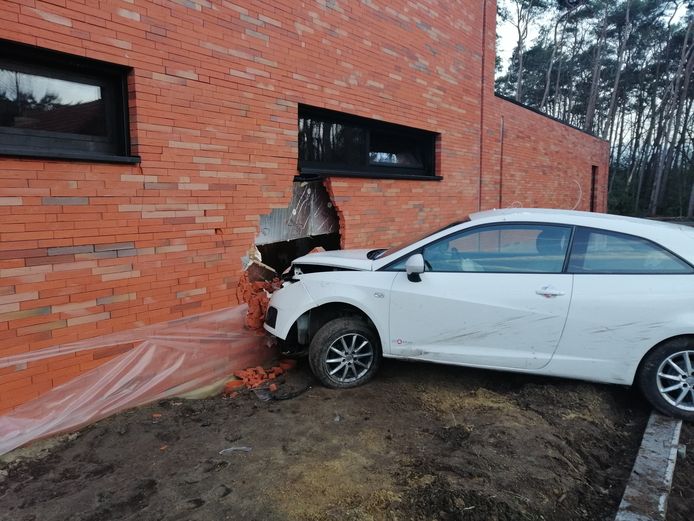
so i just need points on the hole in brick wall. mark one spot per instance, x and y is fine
(279, 255)
(310, 221)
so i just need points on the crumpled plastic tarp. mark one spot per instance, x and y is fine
(168, 359)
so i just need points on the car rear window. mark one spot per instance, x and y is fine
(601, 251)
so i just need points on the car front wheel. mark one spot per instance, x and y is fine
(345, 352)
(667, 378)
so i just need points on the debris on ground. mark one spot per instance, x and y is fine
(256, 377)
(229, 450)
(427, 442)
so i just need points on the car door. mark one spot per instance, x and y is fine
(629, 295)
(494, 295)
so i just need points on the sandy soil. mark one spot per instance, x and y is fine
(420, 442)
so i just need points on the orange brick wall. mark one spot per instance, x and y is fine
(87, 249)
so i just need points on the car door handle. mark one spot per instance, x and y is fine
(549, 292)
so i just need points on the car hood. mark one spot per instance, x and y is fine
(349, 259)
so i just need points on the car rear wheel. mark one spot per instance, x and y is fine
(667, 378)
(344, 353)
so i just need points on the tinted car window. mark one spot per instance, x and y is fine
(507, 248)
(600, 251)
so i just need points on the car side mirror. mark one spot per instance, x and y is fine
(414, 266)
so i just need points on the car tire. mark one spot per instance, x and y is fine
(666, 378)
(345, 353)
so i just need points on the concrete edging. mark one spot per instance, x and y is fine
(646, 494)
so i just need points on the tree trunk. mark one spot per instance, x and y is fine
(672, 103)
(626, 31)
(597, 57)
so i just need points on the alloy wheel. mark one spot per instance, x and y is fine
(676, 380)
(349, 358)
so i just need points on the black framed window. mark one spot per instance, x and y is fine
(334, 143)
(62, 106)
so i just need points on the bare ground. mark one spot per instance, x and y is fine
(681, 502)
(420, 442)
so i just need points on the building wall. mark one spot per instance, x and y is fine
(87, 248)
(534, 161)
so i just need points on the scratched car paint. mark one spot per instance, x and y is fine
(554, 292)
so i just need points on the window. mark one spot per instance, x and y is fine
(332, 143)
(56, 105)
(508, 248)
(599, 251)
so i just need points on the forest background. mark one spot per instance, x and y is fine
(620, 69)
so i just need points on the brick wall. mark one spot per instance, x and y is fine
(533, 161)
(88, 249)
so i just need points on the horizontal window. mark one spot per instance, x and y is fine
(56, 105)
(333, 143)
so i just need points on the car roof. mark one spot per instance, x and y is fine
(677, 238)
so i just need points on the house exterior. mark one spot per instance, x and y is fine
(142, 141)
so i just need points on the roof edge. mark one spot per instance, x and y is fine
(539, 112)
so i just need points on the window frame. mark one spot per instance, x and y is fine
(114, 147)
(589, 229)
(428, 141)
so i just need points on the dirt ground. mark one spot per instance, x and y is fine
(421, 441)
(681, 502)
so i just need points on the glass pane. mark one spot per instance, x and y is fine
(504, 248)
(609, 252)
(29, 101)
(395, 150)
(331, 142)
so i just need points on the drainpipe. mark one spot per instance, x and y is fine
(483, 85)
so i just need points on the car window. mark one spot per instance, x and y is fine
(504, 248)
(601, 251)
(393, 250)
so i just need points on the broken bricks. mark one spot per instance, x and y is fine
(256, 377)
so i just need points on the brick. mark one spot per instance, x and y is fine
(70, 250)
(73, 306)
(22, 254)
(114, 246)
(40, 328)
(19, 297)
(191, 292)
(115, 298)
(10, 201)
(65, 201)
(16, 315)
(170, 249)
(88, 318)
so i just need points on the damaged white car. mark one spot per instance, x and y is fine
(561, 293)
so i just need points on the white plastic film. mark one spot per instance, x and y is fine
(168, 359)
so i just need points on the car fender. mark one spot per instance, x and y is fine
(293, 300)
(371, 296)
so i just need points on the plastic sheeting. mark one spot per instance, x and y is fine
(168, 359)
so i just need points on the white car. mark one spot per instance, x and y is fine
(574, 294)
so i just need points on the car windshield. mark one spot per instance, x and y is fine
(407, 242)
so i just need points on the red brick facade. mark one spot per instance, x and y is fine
(91, 248)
